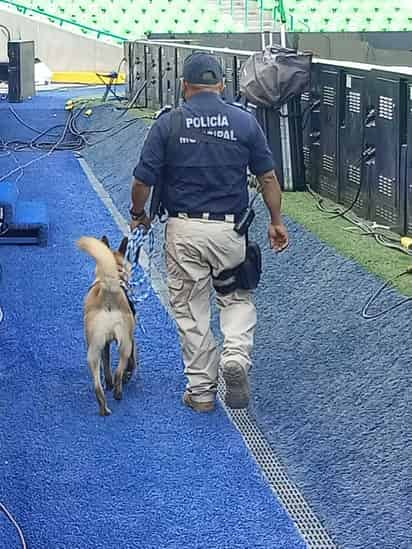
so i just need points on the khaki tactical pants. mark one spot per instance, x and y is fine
(195, 249)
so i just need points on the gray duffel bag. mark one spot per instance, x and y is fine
(272, 77)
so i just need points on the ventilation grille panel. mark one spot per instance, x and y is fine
(385, 213)
(327, 186)
(385, 186)
(328, 163)
(329, 96)
(354, 102)
(386, 107)
(306, 155)
(354, 174)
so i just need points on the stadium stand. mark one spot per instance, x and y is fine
(349, 16)
(125, 19)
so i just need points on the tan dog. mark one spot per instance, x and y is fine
(108, 317)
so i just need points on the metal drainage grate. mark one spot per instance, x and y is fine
(311, 530)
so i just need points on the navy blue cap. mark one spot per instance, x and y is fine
(202, 68)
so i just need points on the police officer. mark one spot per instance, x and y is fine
(205, 194)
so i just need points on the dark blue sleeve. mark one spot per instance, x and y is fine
(153, 155)
(260, 156)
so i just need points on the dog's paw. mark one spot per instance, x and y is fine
(127, 376)
(118, 394)
(105, 411)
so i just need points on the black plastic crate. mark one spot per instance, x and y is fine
(296, 144)
(389, 96)
(239, 61)
(408, 175)
(153, 72)
(330, 87)
(136, 73)
(229, 68)
(311, 131)
(168, 75)
(353, 141)
(271, 125)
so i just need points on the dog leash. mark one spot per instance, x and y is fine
(140, 283)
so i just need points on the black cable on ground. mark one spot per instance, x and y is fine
(76, 138)
(54, 147)
(123, 127)
(338, 212)
(367, 228)
(71, 139)
(11, 519)
(367, 316)
(366, 155)
(135, 98)
(22, 122)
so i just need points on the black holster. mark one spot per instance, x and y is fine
(244, 277)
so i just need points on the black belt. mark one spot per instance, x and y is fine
(229, 218)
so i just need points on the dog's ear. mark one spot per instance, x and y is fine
(123, 246)
(105, 240)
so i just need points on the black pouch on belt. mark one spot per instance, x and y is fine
(244, 277)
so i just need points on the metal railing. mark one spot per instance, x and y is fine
(276, 9)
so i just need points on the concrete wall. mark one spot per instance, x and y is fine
(60, 49)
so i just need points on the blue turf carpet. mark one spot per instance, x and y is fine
(332, 392)
(152, 475)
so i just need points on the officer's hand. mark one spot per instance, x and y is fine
(143, 220)
(278, 237)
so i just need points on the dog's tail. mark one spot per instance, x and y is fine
(107, 269)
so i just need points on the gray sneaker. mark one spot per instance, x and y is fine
(237, 386)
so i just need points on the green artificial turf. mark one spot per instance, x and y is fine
(377, 259)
